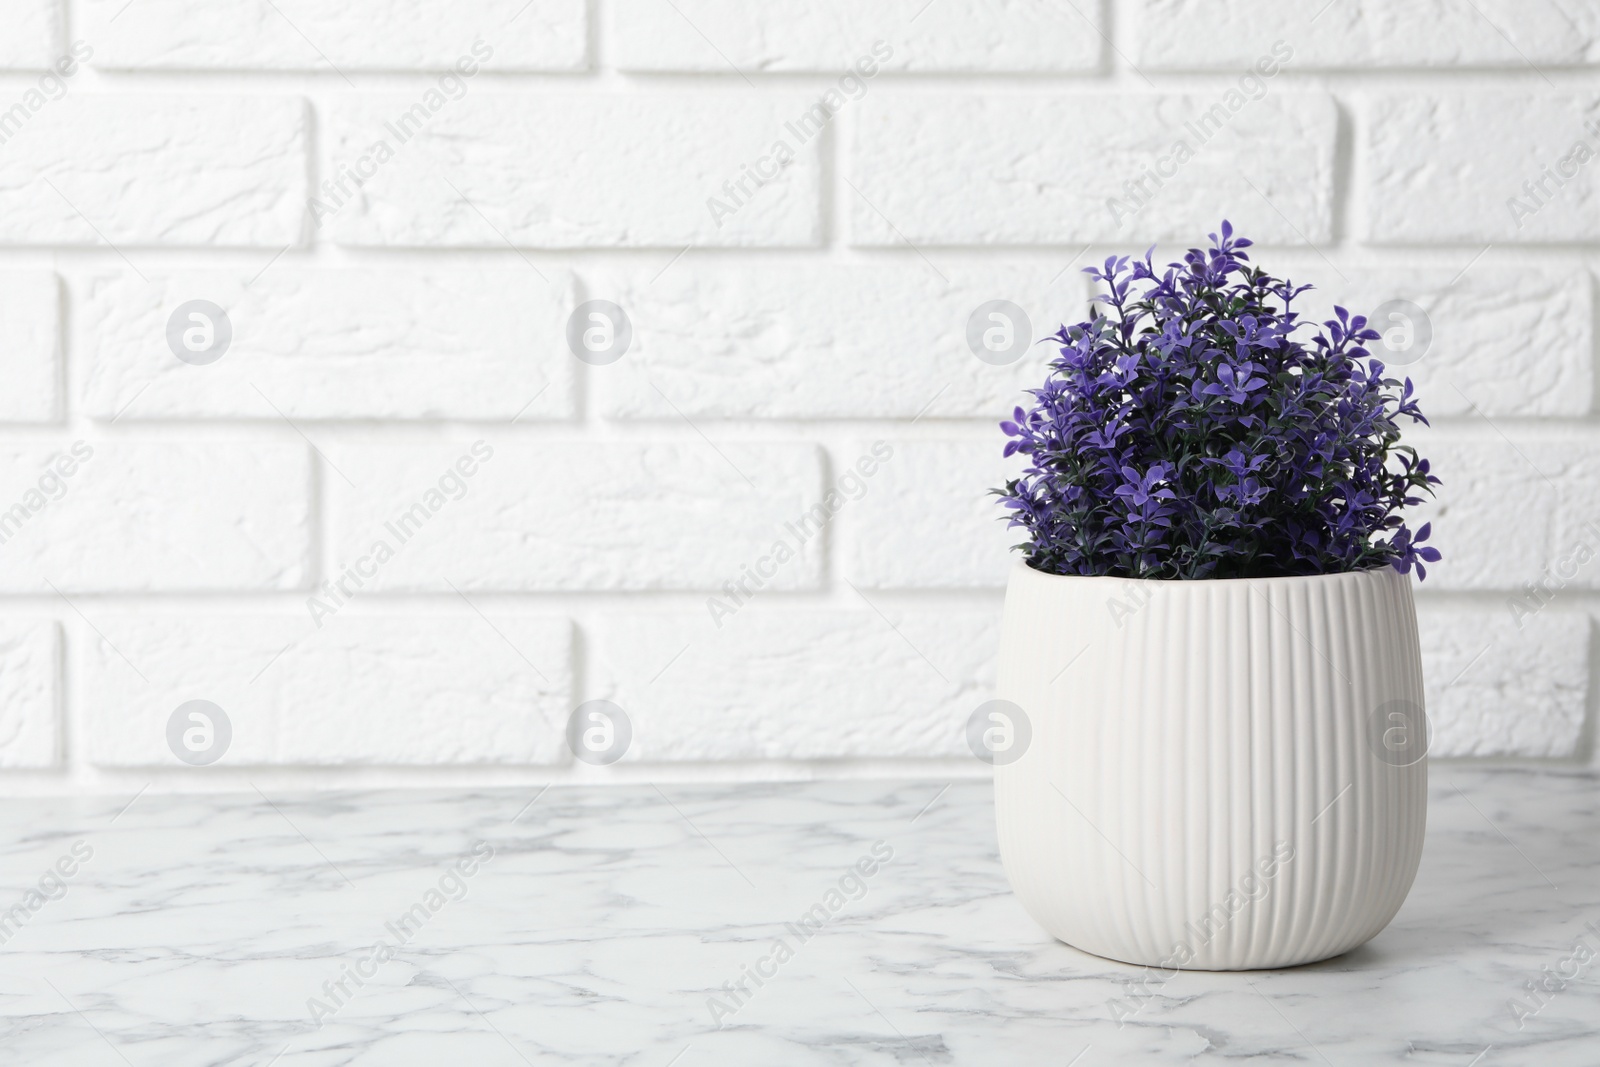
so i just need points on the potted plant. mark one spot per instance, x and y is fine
(1210, 646)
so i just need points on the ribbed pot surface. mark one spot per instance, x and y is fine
(1221, 774)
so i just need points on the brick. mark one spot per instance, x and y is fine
(30, 679)
(359, 35)
(792, 35)
(885, 340)
(949, 170)
(358, 689)
(798, 684)
(455, 342)
(30, 346)
(1514, 341)
(546, 515)
(1465, 167)
(1503, 684)
(32, 38)
(957, 538)
(488, 170)
(156, 170)
(124, 516)
(1191, 35)
(1510, 509)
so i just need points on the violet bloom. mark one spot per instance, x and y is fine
(1187, 432)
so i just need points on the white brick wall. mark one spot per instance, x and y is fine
(397, 689)
(563, 171)
(356, 35)
(200, 170)
(31, 37)
(30, 359)
(1445, 165)
(1040, 169)
(1506, 341)
(30, 683)
(878, 340)
(796, 684)
(147, 516)
(350, 343)
(832, 35)
(551, 515)
(1225, 34)
(1502, 684)
(764, 530)
(1514, 506)
(963, 543)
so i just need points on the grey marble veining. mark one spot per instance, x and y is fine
(615, 926)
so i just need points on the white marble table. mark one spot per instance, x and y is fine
(597, 924)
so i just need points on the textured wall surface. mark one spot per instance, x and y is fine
(310, 412)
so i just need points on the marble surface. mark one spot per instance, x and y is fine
(599, 925)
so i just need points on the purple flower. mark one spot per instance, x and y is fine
(1235, 384)
(1412, 556)
(1187, 432)
(1140, 490)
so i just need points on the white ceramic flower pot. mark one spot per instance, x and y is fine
(1220, 775)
